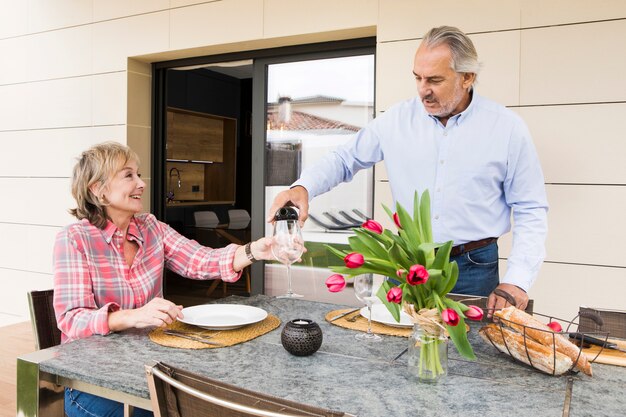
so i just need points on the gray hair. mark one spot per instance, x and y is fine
(464, 55)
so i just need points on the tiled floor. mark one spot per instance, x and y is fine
(16, 339)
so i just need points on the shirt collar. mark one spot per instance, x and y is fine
(133, 230)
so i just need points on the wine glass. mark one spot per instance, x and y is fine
(364, 291)
(287, 248)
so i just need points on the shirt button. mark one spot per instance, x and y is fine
(438, 189)
(445, 133)
(441, 162)
(437, 217)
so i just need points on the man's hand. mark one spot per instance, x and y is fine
(297, 196)
(495, 302)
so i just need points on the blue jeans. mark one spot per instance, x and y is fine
(81, 404)
(478, 271)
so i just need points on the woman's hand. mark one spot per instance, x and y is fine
(159, 312)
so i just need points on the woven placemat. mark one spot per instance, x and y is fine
(221, 338)
(360, 324)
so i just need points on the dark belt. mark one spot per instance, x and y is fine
(470, 246)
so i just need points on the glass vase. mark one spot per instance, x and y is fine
(428, 355)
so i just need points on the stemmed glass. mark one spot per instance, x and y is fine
(287, 248)
(364, 291)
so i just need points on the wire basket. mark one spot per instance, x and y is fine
(542, 348)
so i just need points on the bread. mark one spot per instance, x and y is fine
(531, 353)
(529, 326)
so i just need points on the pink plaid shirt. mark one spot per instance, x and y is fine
(91, 276)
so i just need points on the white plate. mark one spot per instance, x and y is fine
(380, 314)
(222, 316)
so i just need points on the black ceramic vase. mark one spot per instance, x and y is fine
(301, 337)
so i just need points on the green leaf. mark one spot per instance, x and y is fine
(443, 255)
(393, 308)
(453, 276)
(427, 231)
(397, 254)
(336, 252)
(409, 232)
(368, 243)
(389, 212)
(458, 333)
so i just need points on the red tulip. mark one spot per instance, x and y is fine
(354, 260)
(417, 275)
(394, 295)
(474, 313)
(373, 226)
(450, 317)
(555, 326)
(396, 220)
(401, 272)
(335, 283)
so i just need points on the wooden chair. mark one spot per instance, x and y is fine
(180, 393)
(42, 317)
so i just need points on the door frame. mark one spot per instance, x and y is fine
(261, 58)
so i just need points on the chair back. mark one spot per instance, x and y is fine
(180, 393)
(238, 219)
(42, 317)
(206, 219)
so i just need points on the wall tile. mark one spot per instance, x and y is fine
(561, 289)
(382, 195)
(59, 103)
(114, 9)
(394, 79)
(49, 15)
(411, 19)
(573, 64)
(216, 23)
(555, 12)
(28, 247)
(42, 201)
(14, 106)
(182, 3)
(109, 98)
(116, 40)
(291, 17)
(586, 225)
(499, 77)
(13, 303)
(574, 147)
(15, 60)
(65, 144)
(59, 53)
(14, 18)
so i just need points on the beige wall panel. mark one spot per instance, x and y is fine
(60, 53)
(139, 99)
(394, 79)
(37, 201)
(380, 172)
(182, 3)
(585, 225)
(554, 12)
(113, 9)
(216, 23)
(574, 147)
(573, 64)
(27, 247)
(13, 301)
(408, 19)
(116, 40)
(140, 141)
(59, 103)
(499, 77)
(14, 18)
(561, 289)
(109, 98)
(14, 53)
(49, 15)
(14, 106)
(53, 152)
(290, 17)
(382, 195)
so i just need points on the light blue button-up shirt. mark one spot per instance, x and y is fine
(478, 168)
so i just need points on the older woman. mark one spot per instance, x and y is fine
(108, 267)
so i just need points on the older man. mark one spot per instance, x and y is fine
(475, 157)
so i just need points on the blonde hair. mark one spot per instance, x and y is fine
(97, 165)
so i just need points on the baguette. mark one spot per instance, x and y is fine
(529, 326)
(530, 352)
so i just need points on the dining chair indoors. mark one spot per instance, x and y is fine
(180, 393)
(42, 317)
